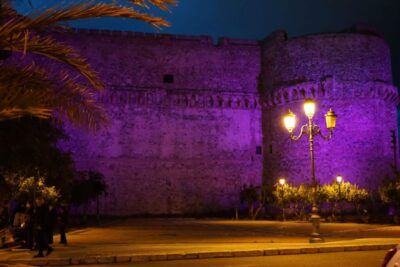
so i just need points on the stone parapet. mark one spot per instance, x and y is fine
(332, 90)
(180, 98)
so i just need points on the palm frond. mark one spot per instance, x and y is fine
(52, 16)
(50, 48)
(31, 91)
(15, 113)
(161, 4)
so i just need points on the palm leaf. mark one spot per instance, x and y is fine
(48, 47)
(161, 4)
(31, 91)
(53, 16)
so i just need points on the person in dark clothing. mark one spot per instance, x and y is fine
(63, 223)
(4, 218)
(29, 226)
(52, 223)
(41, 227)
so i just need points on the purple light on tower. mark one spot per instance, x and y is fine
(348, 72)
(191, 121)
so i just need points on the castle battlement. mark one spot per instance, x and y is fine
(329, 89)
(200, 39)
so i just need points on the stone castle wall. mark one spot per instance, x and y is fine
(348, 72)
(172, 148)
(188, 146)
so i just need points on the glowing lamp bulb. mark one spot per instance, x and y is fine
(290, 121)
(309, 108)
(339, 179)
(282, 181)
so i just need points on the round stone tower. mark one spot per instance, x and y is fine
(349, 72)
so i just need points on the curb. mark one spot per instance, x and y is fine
(196, 255)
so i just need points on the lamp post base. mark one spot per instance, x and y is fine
(316, 238)
(315, 220)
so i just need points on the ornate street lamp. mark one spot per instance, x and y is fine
(311, 130)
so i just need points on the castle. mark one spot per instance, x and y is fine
(193, 121)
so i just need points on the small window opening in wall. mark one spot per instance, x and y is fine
(270, 149)
(168, 78)
(258, 150)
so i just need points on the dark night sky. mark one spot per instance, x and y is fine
(254, 19)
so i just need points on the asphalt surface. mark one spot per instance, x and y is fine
(185, 236)
(340, 259)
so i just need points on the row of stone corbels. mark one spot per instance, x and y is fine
(332, 90)
(180, 98)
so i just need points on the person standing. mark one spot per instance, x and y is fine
(41, 227)
(52, 223)
(4, 218)
(63, 223)
(30, 226)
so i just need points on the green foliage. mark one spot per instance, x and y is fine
(28, 188)
(389, 192)
(284, 194)
(349, 192)
(29, 147)
(355, 195)
(298, 198)
(255, 198)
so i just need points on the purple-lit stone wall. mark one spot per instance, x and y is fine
(188, 146)
(181, 148)
(350, 73)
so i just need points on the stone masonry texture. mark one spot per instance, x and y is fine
(188, 146)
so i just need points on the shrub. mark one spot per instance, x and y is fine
(299, 198)
(88, 186)
(255, 198)
(29, 188)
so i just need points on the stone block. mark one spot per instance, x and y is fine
(369, 247)
(289, 251)
(75, 261)
(331, 249)
(352, 248)
(140, 258)
(210, 255)
(189, 256)
(175, 256)
(248, 253)
(158, 257)
(309, 250)
(122, 259)
(88, 260)
(387, 247)
(271, 252)
(59, 262)
(106, 259)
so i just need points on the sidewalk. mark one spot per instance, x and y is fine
(170, 239)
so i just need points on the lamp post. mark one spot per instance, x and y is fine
(312, 130)
(282, 183)
(339, 180)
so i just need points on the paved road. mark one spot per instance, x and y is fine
(342, 259)
(180, 236)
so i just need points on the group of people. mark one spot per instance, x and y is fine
(33, 224)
